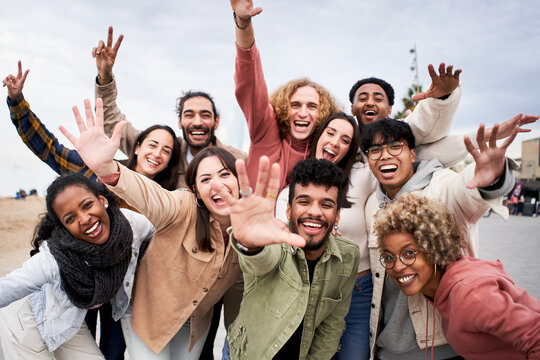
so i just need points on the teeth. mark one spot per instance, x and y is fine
(92, 229)
(153, 162)
(330, 152)
(388, 167)
(217, 197)
(302, 123)
(406, 279)
(197, 133)
(310, 224)
(370, 112)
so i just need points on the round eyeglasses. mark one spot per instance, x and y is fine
(394, 148)
(406, 256)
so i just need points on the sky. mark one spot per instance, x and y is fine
(173, 46)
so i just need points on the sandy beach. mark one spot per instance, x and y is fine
(18, 219)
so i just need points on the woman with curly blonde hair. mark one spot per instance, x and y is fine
(280, 126)
(484, 314)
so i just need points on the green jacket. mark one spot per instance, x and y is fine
(278, 296)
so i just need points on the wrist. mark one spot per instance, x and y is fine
(108, 169)
(244, 249)
(104, 78)
(241, 24)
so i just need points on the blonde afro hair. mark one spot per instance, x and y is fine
(433, 227)
(280, 101)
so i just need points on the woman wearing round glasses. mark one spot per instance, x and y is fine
(484, 314)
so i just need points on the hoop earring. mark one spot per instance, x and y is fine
(435, 270)
(198, 204)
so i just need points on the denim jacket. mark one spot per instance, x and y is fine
(278, 296)
(57, 319)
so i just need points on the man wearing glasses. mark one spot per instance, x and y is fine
(399, 332)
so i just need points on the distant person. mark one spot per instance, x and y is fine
(484, 314)
(85, 254)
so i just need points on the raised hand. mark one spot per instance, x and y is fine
(252, 217)
(244, 9)
(105, 56)
(442, 84)
(507, 127)
(94, 147)
(490, 159)
(15, 84)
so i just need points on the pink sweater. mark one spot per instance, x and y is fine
(252, 96)
(485, 315)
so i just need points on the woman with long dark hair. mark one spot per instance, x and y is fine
(85, 252)
(189, 264)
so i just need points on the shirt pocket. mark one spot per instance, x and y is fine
(280, 297)
(326, 306)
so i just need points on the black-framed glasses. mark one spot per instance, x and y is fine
(394, 148)
(406, 256)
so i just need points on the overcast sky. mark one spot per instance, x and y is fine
(172, 46)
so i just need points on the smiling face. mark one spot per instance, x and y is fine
(335, 141)
(304, 112)
(83, 214)
(198, 122)
(312, 215)
(212, 170)
(393, 171)
(154, 153)
(415, 278)
(370, 104)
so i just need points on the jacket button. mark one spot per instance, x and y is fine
(205, 290)
(373, 306)
(220, 277)
(127, 284)
(377, 275)
(195, 302)
(194, 250)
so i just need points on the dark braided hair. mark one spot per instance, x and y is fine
(50, 220)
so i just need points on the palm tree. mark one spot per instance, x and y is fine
(408, 103)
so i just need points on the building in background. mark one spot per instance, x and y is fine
(529, 176)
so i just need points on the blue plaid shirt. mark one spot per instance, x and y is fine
(43, 143)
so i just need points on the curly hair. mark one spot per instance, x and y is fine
(280, 101)
(433, 227)
(317, 172)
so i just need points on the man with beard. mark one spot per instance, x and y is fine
(298, 280)
(199, 119)
(197, 114)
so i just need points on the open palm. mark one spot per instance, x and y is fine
(94, 147)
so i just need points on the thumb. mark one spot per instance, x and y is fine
(421, 96)
(473, 183)
(291, 239)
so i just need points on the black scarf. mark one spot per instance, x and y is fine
(92, 274)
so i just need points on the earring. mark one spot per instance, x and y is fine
(335, 227)
(435, 270)
(199, 204)
(106, 206)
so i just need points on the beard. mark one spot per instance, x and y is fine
(210, 140)
(311, 242)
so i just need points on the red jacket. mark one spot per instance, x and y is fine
(252, 96)
(485, 315)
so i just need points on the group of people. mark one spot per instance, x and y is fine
(296, 240)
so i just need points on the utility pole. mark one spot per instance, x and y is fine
(414, 69)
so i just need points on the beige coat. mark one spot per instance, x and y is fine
(175, 279)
